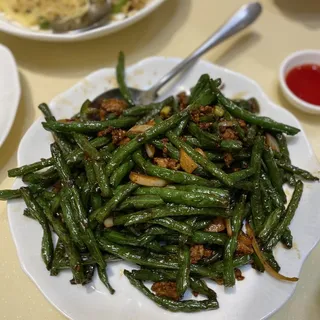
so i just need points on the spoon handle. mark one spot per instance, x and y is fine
(245, 16)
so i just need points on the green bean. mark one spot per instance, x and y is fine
(37, 212)
(209, 237)
(181, 126)
(85, 110)
(101, 214)
(91, 176)
(251, 104)
(292, 207)
(154, 275)
(266, 200)
(287, 238)
(274, 172)
(69, 220)
(169, 223)
(89, 126)
(231, 145)
(121, 172)
(71, 250)
(241, 175)
(228, 272)
(251, 134)
(198, 158)
(59, 138)
(6, 195)
(270, 224)
(193, 142)
(195, 199)
(120, 72)
(249, 117)
(171, 175)
(29, 168)
(141, 202)
(271, 260)
(170, 149)
(86, 146)
(103, 181)
(167, 211)
(203, 81)
(221, 193)
(80, 214)
(104, 279)
(272, 193)
(174, 306)
(55, 203)
(298, 171)
(205, 138)
(256, 203)
(283, 146)
(183, 280)
(58, 256)
(289, 178)
(156, 108)
(96, 201)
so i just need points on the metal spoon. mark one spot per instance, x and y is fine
(97, 14)
(246, 15)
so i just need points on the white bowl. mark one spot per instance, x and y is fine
(12, 27)
(295, 59)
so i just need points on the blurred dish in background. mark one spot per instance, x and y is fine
(32, 18)
(9, 91)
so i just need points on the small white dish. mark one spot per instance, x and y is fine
(14, 28)
(9, 91)
(295, 59)
(257, 297)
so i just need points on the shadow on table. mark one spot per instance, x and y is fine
(23, 120)
(237, 47)
(306, 12)
(77, 59)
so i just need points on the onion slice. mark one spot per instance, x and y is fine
(150, 150)
(199, 150)
(108, 223)
(148, 181)
(272, 142)
(187, 164)
(140, 128)
(263, 260)
(228, 227)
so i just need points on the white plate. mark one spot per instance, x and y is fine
(14, 28)
(9, 91)
(256, 297)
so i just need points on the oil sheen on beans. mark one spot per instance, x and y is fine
(304, 82)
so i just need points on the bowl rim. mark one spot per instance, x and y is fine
(295, 100)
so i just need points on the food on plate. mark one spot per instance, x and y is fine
(42, 12)
(187, 188)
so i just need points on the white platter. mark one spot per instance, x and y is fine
(10, 91)
(14, 28)
(257, 297)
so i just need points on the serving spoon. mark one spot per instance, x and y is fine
(97, 14)
(241, 19)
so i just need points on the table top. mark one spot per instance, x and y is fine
(175, 29)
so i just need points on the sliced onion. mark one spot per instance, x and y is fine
(187, 164)
(148, 181)
(151, 150)
(108, 223)
(199, 150)
(228, 226)
(272, 142)
(140, 128)
(261, 257)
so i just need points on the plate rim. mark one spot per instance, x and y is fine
(176, 60)
(17, 94)
(27, 33)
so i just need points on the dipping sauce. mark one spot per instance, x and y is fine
(304, 82)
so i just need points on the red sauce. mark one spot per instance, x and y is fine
(304, 82)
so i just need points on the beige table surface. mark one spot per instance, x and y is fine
(174, 29)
